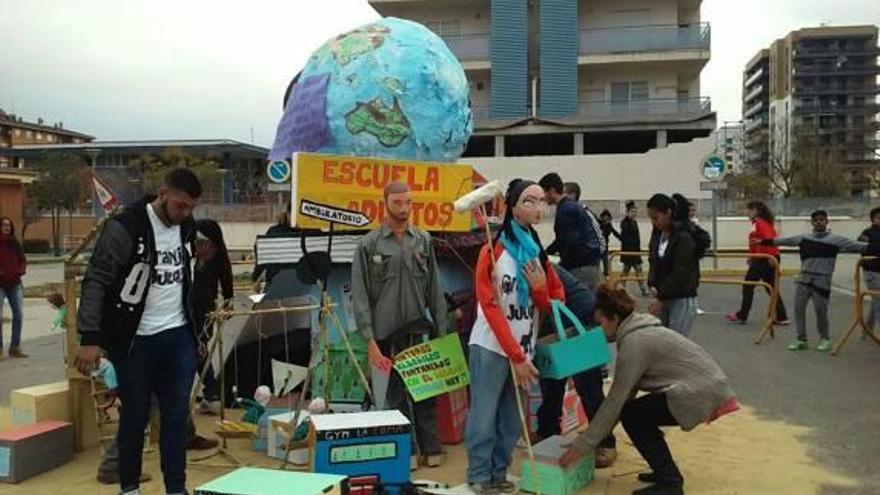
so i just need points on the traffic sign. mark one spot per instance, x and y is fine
(333, 214)
(713, 167)
(278, 171)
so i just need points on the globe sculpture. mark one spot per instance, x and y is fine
(388, 89)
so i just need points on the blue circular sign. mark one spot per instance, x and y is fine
(278, 171)
(713, 167)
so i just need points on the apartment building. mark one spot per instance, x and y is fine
(729, 145)
(567, 77)
(816, 90)
(756, 113)
(15, 131)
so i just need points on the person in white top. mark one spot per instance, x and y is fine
(510, 290)
(135, 304)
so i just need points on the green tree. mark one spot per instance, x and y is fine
(748, 185)
(154, 167)
(62, 185)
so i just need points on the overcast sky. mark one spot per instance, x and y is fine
(217, 69)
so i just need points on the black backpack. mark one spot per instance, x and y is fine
(702, 239)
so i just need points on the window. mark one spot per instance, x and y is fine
(445, 28)
(50, 137)
(18, 133)
(39, 136)
(29, 134)
(629, 91)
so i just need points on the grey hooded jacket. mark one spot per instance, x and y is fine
(655, 359)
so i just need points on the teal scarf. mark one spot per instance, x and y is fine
(523, 249)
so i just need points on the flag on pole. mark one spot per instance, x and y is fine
(106, 197)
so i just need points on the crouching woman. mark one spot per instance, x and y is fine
(684, 385)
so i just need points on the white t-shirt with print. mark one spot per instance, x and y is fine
(521, 320)
(164, 304)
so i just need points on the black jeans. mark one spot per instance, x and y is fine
(642, 419)
(759, 270)
(163, 364)
(589, 387)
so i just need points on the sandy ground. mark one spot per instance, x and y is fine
(725, 450)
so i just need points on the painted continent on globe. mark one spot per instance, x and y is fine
(391, 89)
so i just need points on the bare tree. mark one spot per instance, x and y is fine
(807, 169)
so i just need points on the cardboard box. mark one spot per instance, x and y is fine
(554, 478)
(260, 441)
(255, 481)
(30, 450)
(376, 443)
(278, 434)
(40, 403)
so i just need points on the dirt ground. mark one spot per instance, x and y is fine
(739, 454)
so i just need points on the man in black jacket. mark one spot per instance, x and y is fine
(631, 241)
(578, 235)
(135, 304)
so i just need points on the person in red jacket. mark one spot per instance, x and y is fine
(511, 291)
(759, 268)
(12, 267)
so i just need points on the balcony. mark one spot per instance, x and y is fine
(826, 109)
(753, 110)
(803, 53)
(755, 77)
(469, 48)
(618, 112)
(753, 124)
(656, 109)
(833, 89)
(836, 71)
(755, 93)
(645, 39)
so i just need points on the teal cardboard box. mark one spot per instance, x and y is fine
(255, 481)
(554, 478)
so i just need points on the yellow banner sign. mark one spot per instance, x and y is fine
(347, 191)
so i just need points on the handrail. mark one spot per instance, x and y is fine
(859, 316)
(773, 289)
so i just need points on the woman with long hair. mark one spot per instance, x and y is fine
(685, 387)
(760, 269)
(674, 274)
(12, 266)
(519, 283)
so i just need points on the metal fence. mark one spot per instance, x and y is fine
(783, 207)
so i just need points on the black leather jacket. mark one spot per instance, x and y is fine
(118, 278)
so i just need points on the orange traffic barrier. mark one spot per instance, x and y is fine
(772, 289)
(859, 317)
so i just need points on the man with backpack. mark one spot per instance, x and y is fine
(578, 234)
